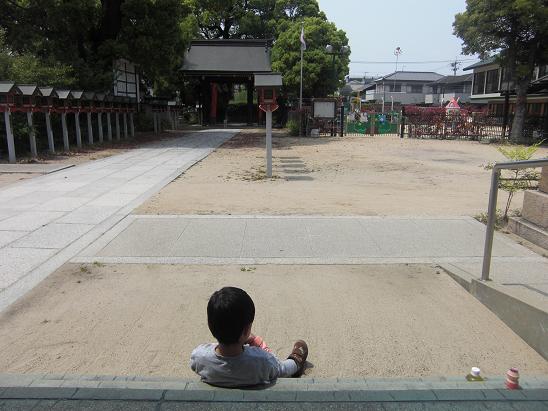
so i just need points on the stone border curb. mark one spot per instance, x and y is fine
(135, 388)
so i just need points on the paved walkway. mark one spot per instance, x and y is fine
(316, 240)
(46, 221)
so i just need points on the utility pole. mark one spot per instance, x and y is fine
(455, 66)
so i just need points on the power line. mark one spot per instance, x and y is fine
(410, 62)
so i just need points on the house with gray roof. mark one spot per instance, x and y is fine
(446, 88)
(493, 86)
(401, 87)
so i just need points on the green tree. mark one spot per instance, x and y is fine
(88, 35)
(228, 19)
(320, 77)
(513, 181)
(516, 31)
(27, 68)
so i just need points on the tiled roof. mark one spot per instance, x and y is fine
(225, 56)
(428, 76)
(486, 62)
(465, 78)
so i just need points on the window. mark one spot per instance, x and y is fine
(492, 84)
(395, 88)
(479, 83)
(416, 89)
(507, 83)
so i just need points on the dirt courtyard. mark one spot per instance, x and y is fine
(374, 321)
(382, 175)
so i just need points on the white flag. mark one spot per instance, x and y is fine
(303, 42)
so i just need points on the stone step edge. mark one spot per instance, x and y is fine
(285, 390)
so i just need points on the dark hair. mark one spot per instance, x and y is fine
(229, 311)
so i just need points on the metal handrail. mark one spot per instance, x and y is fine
(492, 210)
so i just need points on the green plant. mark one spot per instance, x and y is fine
(293, 127)
(513, 181)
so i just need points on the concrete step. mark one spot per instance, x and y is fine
(528, 230)
(328, 391)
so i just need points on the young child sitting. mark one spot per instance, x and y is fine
(240, 359)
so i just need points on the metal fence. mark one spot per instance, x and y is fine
(469, 126)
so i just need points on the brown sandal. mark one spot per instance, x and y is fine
(299, 355)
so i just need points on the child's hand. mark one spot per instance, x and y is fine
(258, 341)
(250, 340)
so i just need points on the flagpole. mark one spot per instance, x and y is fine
(302, 55)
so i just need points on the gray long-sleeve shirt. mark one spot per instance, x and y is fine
(253, 366)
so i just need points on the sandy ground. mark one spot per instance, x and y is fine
(383, 321)
(380, 175)
(79, 156)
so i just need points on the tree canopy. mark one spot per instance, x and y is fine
(281, 21)
(515, 31)
(74, 43)
(88, 35)
(320, 77)
(250, 18)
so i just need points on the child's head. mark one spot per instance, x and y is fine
(230, 313)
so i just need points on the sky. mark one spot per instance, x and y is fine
(421, 28)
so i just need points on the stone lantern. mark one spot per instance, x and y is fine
(63, 105)
(47, 105)
(28, 102)
(8, 92)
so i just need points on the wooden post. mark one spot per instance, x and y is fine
(9, 136)
(51, 142)
(124, 116)
(117, 120)
(155, 121)
(32, 135)
(90, 129)
(109, 127)
(65, 131)
(100, 126)
(131, 125)
(269, 143)
(78, 130)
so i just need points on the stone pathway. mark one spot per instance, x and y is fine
(46, 221)
(304, 240)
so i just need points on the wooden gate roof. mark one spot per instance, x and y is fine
(227, 57)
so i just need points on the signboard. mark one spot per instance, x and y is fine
(324, 108)
(125, 79)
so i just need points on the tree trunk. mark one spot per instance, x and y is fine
(111, 19)
(520, 112)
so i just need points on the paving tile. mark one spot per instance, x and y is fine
(37, 392)
(149, 237)
(112, 199)
(405, 238)
(88, 215)
(116, 394)
(371, 395)
(207, 238)
(18, 405)
(340, 238)
(536, 394)
(63, 204)
(7, 237)
(16, 262)
(53, 236)
(276, 238)
(189, 395)
(459, 395)
(29, 220)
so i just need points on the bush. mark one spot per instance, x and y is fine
(293, 127)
